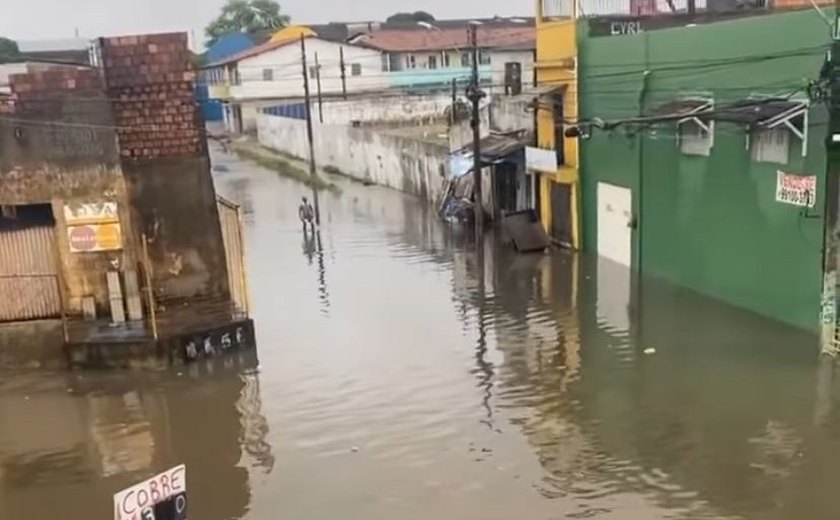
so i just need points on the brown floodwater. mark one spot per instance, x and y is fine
(404, 375)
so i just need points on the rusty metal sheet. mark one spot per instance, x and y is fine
(28, 280)
(29, 298)
(27, 251)
(234, 254)
(525, 231)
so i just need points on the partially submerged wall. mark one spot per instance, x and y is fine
(164, 157)
(410, 165)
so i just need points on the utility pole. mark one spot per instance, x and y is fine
(831, 239)
(343, 72)
(308, 106)
(454, 102)
(320, 99)
(475, 94)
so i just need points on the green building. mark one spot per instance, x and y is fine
(703, 155)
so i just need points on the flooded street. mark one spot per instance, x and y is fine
(400, 378)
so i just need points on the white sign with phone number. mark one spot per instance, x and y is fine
(798, 190)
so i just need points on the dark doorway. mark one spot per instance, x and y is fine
(30, 215)
(559, 128)
(506, 187)
(561, 218)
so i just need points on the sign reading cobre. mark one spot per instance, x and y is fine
(162, 497)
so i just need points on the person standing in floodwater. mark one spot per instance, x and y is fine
(306, 214)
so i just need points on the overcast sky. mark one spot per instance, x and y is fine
(51, 19)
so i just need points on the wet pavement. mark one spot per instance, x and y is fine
(403, 374)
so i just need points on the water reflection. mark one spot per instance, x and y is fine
(70, 441)
(409, 373)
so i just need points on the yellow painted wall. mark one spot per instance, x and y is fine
(557, 67)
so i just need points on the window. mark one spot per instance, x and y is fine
(696, 137)
(410, 62)
(446, 60)
(313, 71)
(386, 62)
(356, 69)
(432, 62)
(268, 75)
(466, 59)
(484, 57)
(771, 145)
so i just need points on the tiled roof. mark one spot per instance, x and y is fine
(420, 39)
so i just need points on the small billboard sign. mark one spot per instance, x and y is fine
(162, 497)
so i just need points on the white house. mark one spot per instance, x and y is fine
(272, 73)
(425, 56)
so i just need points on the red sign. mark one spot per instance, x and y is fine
(82, 238)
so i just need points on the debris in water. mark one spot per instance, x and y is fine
(354, 449)
(649, 351)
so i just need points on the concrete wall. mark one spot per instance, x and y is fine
(72, 161)
(711, 223)
(388, 108)
(285, 66)
(409, 165)
(512, 113)
(164, 157)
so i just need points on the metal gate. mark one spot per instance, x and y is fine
(29, 283)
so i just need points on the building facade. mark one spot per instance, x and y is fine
(266, 74)
(703, 157)
(96, 229)
(557, 104)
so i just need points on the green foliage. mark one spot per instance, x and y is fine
(410, 18)
(246, 16)
(8, 50)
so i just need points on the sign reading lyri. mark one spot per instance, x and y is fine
(799, 190)
(162, 497)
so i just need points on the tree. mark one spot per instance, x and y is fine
(8, 50)
(246, 16)
(410, 18)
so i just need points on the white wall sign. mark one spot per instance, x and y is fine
(540, 160)
(798, 190)
(162, 497)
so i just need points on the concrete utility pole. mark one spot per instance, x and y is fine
(343, 72)
(828, 336)
(320, 98)
(475, 94)
(308, 107)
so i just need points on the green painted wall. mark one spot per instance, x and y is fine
(710, 223)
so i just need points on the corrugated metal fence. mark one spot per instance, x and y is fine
(234, 252)
(29, 283)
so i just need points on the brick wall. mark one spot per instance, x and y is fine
(152, 86)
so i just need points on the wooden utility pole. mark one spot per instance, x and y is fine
(475, 94)
(308, 107)
(318, 81)
(343, 72)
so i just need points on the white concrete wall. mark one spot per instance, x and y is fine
(385, 108)
(287, 82)
(409, 165)
(498, 58)
(512, 113)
